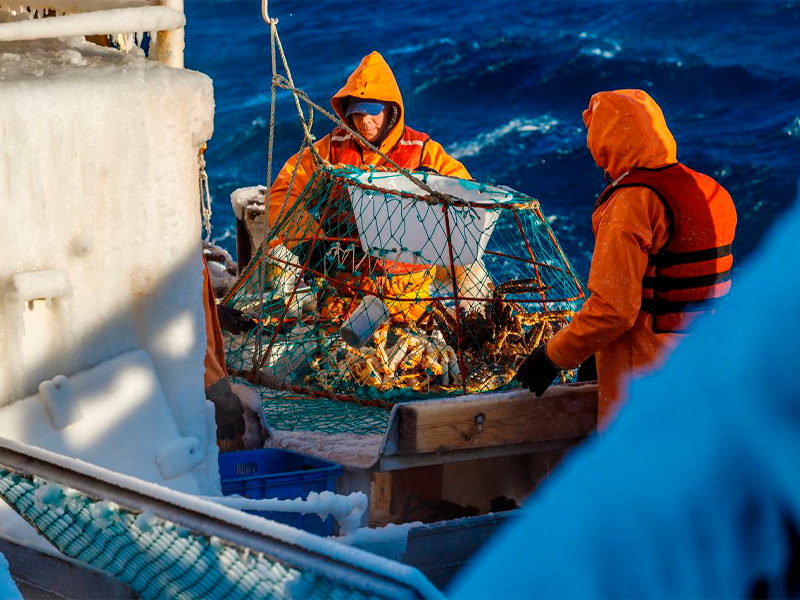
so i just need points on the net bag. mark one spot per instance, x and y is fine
(375, 286)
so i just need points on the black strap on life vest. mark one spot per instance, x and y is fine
(670, 259)
(666, 307)
(666, 284)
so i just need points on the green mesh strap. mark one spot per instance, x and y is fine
(155, 557)
(439, 328)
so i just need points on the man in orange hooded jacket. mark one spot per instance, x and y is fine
(370, 102)
(662, 253)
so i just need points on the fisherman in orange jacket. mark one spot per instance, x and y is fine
(663, 235)
(371, 103)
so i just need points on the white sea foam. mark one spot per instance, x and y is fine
(605, 48)
(473, 147)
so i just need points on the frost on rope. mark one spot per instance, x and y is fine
(108, 177)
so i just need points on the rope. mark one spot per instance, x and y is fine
(205, 195)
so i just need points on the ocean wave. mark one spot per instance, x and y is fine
(414, 48)
(604, 48)
(474, 146)
(794, 129)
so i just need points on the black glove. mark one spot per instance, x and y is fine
(537, 372)
(235, 321)
(587, 370)
(228, 410)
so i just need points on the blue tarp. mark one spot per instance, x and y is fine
(695, 490)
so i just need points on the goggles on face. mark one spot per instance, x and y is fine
(365, 108)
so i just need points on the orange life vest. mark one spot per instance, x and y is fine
(345, 150)
(407, 153)
(694, 266)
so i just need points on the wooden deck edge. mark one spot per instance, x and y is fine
(518, 417)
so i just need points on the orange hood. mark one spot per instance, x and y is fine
(627, 130)
(373, 80)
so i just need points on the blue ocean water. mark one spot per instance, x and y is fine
(502, 84)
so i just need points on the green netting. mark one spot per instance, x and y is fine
(369, 290)
(155, 557)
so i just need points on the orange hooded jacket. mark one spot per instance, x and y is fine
(626, 129)
(371, 80)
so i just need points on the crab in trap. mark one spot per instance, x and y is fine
(478, 350)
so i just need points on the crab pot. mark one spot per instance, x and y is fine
(469, 279)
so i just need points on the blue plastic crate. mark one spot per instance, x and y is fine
(280, 474)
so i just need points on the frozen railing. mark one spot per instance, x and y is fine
(163, 543)
(163, 20)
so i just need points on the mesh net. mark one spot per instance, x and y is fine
(369, 290)
(155, 557)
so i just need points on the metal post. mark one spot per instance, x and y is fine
(171, 43)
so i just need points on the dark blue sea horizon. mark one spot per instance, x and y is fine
(502, 84)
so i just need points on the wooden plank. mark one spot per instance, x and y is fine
(381, 493)
(563, 412)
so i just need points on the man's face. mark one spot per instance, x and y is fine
(370, 126)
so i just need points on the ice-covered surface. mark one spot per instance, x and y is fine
(71, 6)
(249, 205)
(249, 200)
(179, 456)
(8, 589)
(693, 491)
(99, 160)
(221, 268)
(297, 537)
(390, 540)
(347, 449)
(114, 20)
(347, 510)
(126, 424)
(256, 427)
(42, 285)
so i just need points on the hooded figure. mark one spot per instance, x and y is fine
(371, 86)
(372, 80)
(663, 238)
